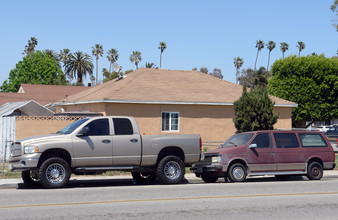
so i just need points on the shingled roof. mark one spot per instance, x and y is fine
(43, 94)
(165, 87)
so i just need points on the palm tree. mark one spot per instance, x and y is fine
(151, 66)
(29, 49)
(79, 65)
(238, 64)
(113, 56)
(259, 46)
(301, 46)
(284, 47)
(271, 45)
(162, 47)
(64, 57)
(97, 52)
(53, 55)
(135, 57)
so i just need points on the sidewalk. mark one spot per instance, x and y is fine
(14, 183)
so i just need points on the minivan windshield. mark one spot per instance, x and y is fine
(70, 128)
(237, 140)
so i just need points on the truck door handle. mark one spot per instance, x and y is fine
(133, 140)
(106, 141)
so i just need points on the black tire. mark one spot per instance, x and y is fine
(314, 171)
(30, 178)
(209, 179)
(144, 177)
(170, 170)
(282, 177)
(237, 173)
(54, 173)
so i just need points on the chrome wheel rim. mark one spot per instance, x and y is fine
(55, 173)
(172, 170)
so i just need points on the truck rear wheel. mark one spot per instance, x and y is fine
(54, 173)
(170, 170)
(30, 178)
(144, 177)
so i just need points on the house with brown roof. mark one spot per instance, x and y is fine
(171, 101)
(42, 94)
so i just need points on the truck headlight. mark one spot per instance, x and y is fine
(29, 149)
(216, 160)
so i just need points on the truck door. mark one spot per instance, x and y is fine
(95, 147)
(126, 144)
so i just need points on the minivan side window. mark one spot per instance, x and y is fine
(286, 140)
(123, 126)
(312, 140)
(262, 141)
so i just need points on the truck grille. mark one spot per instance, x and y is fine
(15, 149)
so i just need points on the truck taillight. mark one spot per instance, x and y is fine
(200, 144)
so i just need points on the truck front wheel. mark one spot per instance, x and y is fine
(54, 173)
(170, 170)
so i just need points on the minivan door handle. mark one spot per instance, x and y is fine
(106, 141)
(134, 140)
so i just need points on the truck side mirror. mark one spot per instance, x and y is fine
(83, 132)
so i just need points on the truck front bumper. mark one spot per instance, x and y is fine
(24, 163)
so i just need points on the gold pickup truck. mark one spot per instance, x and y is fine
(99, 144)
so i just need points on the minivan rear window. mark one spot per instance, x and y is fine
(312, 140)
(286, 140)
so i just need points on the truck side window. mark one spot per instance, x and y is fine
(98, 127)
(286, 140)
(262, 141)
(123, 126)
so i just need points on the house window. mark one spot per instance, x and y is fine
(170, 121)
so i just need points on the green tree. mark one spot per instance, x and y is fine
(79, 65)
(37, 68)
(259, 46)
(284, 47)
(29, 49)
(162, 47)
(135, 57)
(254, 111)
(254, 79)
(97, 51)
(309, 81)
(107, 75)
(217, 73)
(113, 56)
(52, 54)
(64, 57)
(301, 46)
(238, 64)
(271, 45)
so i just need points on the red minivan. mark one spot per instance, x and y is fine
(275, 152)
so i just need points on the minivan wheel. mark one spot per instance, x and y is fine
(30, 178)
(237, 173)
(170, 170)
(314, 171)
(54, 173)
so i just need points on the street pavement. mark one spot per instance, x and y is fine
(190, 177)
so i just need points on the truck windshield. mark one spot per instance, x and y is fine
(70, 128)
(237, 140)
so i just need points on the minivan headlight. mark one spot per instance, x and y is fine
(29, 149)
(216, 160)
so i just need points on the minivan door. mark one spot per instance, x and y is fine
(262, 155)
(126, 144)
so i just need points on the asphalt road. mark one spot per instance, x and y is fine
(259, 198)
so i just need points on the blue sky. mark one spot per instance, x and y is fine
(197, 33)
